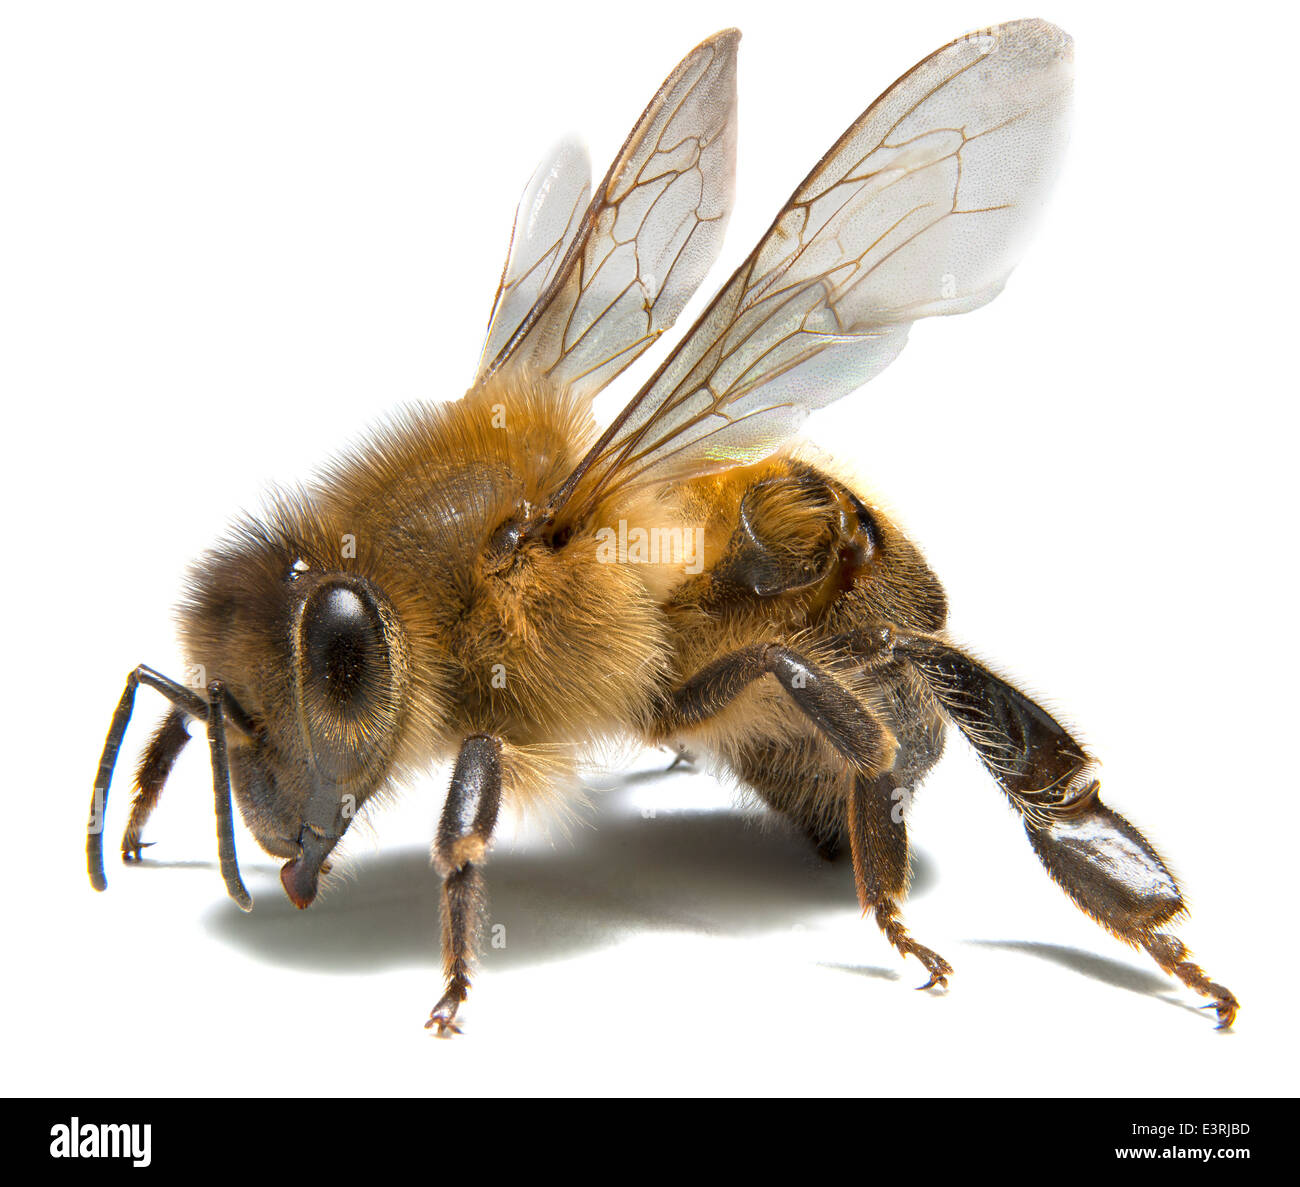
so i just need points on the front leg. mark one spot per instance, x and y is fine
(468, 819)
(156, 764)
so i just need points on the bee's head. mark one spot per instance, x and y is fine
(310, 647)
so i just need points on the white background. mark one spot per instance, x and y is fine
(233, 235)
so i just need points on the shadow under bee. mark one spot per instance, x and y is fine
(720, 872)
(716, 873)
(1118, 973)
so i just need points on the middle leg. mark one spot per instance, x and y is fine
(881, 866)
(801, 779)
(804, 775)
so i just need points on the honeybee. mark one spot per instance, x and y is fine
(498, 581)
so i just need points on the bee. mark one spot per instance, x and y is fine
(500, 583)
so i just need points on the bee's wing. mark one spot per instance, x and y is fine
(919, 209)
(643, 245)
(546, 223)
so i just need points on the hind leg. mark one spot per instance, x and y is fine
(1097, 857)
(1113, 873)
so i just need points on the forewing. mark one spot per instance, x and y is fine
(919, 209)
(546, 224)
(645, 242)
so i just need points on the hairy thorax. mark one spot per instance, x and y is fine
(548, 645)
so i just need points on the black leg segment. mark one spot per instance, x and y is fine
(826, 701)
(468, 819)
(1110, 870)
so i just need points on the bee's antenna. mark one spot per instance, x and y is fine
(182, 698)
(219, 708)
(219, 703)
(103, 777)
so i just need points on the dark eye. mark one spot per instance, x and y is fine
(343, 643)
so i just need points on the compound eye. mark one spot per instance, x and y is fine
(343, 644)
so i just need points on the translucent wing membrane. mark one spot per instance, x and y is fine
(546, 224)
(919, 209)
(643, 245)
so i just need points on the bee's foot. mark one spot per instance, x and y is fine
(937, 981)
(1170, 953)
(684, 759)
(133, 850)
(938, 968)
(1225, 1005)
(444, 1013)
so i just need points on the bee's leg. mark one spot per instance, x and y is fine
(840, 716)
(878, 835)
(155, 766)
(833, 805)
(880, 860)
(468, 819)
(877, 810)
(1098, 858)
